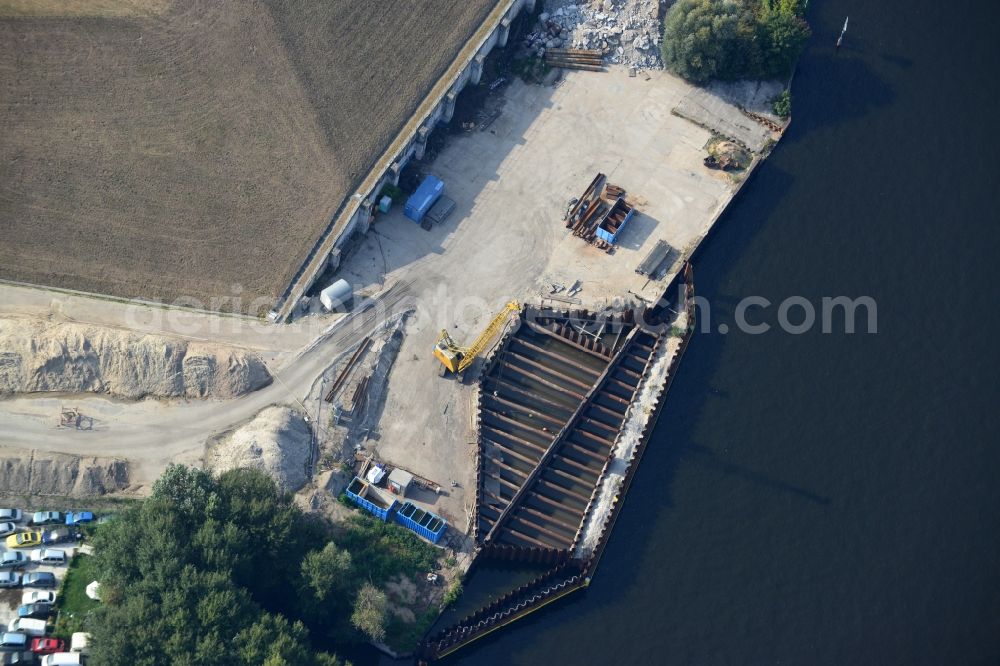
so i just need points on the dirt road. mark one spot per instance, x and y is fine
(152, 433)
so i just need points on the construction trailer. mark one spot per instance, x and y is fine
(421, 201)
(399, 481)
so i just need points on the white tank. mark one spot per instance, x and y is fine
(336, 295)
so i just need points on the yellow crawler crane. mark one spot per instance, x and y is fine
(456, 358)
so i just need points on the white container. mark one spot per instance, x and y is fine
(336, 295)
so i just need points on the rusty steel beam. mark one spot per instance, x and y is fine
(512, 452)
(543, 431)
(507, 466)
(607, 410)
(557, 357)
(538, 328)
(508, 484)
(527, 393)
(535, 494)
(630, 371)
(546, 516)
(519, 440)
(563, 489)
(572, 463)
(524, 537)
(572, 477)
(558, 537)
(592, 415)
(567, 503)
(628, 387)
(575, 394)
(528, 411)
(571, 445)
(552, 371)
(604, 441)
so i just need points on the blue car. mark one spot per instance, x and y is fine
(40, 611)
(79, 517)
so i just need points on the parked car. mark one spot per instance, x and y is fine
(12, 515)
(62, 659)
(29, 626)
(7, 528)
(48, 556)
(40, 611)
(39, 579)
(79, 517)
(13, 559)
(12, 640)
(38, 597)
(61, 535)
(25, 658)
(47, 645)
(9, 579)
(24, 540)
(46, 518)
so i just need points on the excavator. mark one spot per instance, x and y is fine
(455, 358)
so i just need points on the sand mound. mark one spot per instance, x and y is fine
(277, 441)
(61, 474)
(36, 355)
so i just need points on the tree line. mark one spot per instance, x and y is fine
(228, 570)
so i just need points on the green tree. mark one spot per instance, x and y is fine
(325, 570)
(370, 612)
(700, 38)
(783, 36)
(733, 39)
(190, 490)
(200, 572)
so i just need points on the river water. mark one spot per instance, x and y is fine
(829, 498)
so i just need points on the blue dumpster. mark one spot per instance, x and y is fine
(424, 523)
(369, 499)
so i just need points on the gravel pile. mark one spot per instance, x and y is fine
(277, 441)
(627, 31)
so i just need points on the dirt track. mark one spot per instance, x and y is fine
(186, 150)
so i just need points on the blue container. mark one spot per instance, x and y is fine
(424, 523)
(421, 201)
(358, 492)
(612, 238)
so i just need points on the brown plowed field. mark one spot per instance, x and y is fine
(193, 149)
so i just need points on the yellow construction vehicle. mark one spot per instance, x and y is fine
(456, 358)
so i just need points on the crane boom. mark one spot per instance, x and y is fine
(457, 358)
(485, 338)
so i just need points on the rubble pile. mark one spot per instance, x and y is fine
(627, 31)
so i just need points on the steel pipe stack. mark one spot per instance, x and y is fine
(591, 60)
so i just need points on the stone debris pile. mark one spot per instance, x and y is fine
(627, 31)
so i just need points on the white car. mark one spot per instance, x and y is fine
(38, 597)
(48, 556)
(6, 529)
(12, 515)
(10, 579)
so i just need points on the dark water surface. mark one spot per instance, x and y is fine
(829, 499)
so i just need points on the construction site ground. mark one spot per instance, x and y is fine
(505, 240)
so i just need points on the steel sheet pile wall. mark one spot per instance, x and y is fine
(551, 585)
